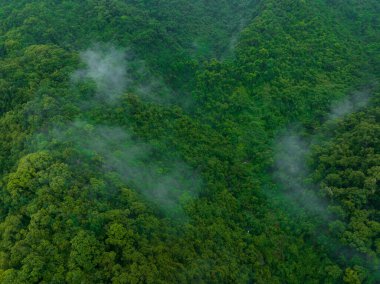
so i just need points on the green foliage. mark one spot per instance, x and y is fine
(347, 168)
(236, 73)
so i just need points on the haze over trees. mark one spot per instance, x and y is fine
(189, 141)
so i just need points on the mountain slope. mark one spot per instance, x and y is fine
(171, 181)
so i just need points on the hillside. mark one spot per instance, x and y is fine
(189, 141)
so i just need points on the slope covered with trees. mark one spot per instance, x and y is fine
(171, 182)
(346, 167)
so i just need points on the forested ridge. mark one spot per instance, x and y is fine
(196, 141)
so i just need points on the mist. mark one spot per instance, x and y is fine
(117, 71)
(166, 182)
(291, 172)
(107, 67)
(292, 151)
(161, 179)
(350, 104)
(234, 38)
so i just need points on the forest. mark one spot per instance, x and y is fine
(173, 141)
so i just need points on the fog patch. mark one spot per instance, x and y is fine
(117, 71)
(167, 182)
(291, 172)
(292, 151)
(107, 67)
(350, 104)
(164, 181)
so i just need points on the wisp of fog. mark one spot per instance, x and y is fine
(167, 182)
(107, 67)
(291, 152)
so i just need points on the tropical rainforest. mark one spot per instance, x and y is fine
(173, 141)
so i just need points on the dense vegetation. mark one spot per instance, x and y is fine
(171, 180)
(346, 167)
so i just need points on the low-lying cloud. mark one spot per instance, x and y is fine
(116, 71)
(292, 152)
(107, 67)
(350, 104)
(166, 182)
(291, 172)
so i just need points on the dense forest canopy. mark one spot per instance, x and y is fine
(200, 141)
